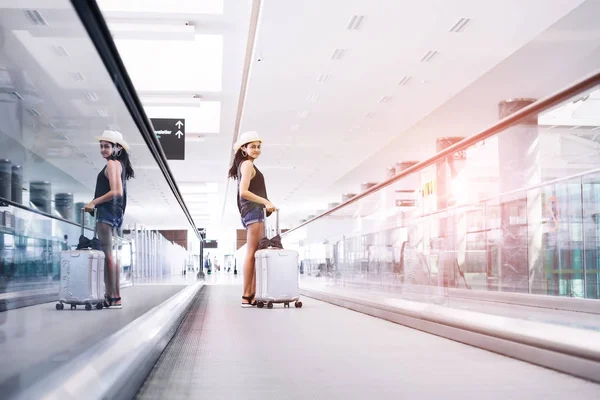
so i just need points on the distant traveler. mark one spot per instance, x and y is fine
(251, 200)
(110, 201)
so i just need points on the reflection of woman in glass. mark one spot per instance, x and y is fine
(110, 201)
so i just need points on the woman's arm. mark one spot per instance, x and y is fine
(113, 172)
(246, 171)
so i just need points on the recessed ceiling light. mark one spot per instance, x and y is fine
(303, 114)
(369, 115)
(36, 17)
(460, 25)
(323, 78)
(338, 54)
(77, 76)
(405, 81)
(429, 56)
(384, 99)
(33, 112)
(62, 137)
(16, 95)
(355, 22)
(113, 127)
(312, 98)
(60, 51)
(102, 112)
(91, 96)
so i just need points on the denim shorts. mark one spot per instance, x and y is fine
(109, 217)
(253, 216)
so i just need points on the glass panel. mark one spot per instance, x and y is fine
(517, 212)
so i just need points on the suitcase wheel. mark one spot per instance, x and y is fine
(286, 304)
(88, 306)
(298, 304)
(99, 306)
(60, 306)
(73, 306)
(270, 304)
(260, 304)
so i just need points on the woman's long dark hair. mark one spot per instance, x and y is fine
(121, 155)
(237, 160)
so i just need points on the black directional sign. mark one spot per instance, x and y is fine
(171, 135)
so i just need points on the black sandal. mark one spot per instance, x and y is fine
(250, 303)
(109, 302)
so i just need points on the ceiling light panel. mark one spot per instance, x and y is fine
(338, 54)
(182, 66)
(460, 25)
(102, 112)
(384, 99)
(312, 98)
(303, 114)
(355, 22)
(161, 6)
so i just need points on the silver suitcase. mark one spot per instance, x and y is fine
(277, 276)
(81, 277)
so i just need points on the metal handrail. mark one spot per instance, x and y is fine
(7, 202)
(534, 108)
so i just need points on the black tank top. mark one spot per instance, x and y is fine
(257, 186)
(117, 205)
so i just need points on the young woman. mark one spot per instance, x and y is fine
(110, 200)
(252, 200)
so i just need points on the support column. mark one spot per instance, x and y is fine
(521, 213)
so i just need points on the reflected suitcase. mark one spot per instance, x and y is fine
(81, 277)
(277, 276)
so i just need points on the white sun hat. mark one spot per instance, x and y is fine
(113, 137)
(245, 138)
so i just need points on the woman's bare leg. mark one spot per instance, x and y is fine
(253, 235)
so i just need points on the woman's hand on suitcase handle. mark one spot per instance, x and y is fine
(89, 207)
(270, 207)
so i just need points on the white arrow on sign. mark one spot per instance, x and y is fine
(179, 134)
(179, 124)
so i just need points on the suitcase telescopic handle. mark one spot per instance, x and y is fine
(276, 221)
(83, 221)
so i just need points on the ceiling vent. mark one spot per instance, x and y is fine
(460, 25)
(303, 114)
(91, 96)
(77, 76)
(384, 99)
(33, 112)
(312, 98)
(60, 51)
(405, 81)
(102, 112)
(338, 54)
(355, 22)
(429, 56)
(36, 17)
(323, 78)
